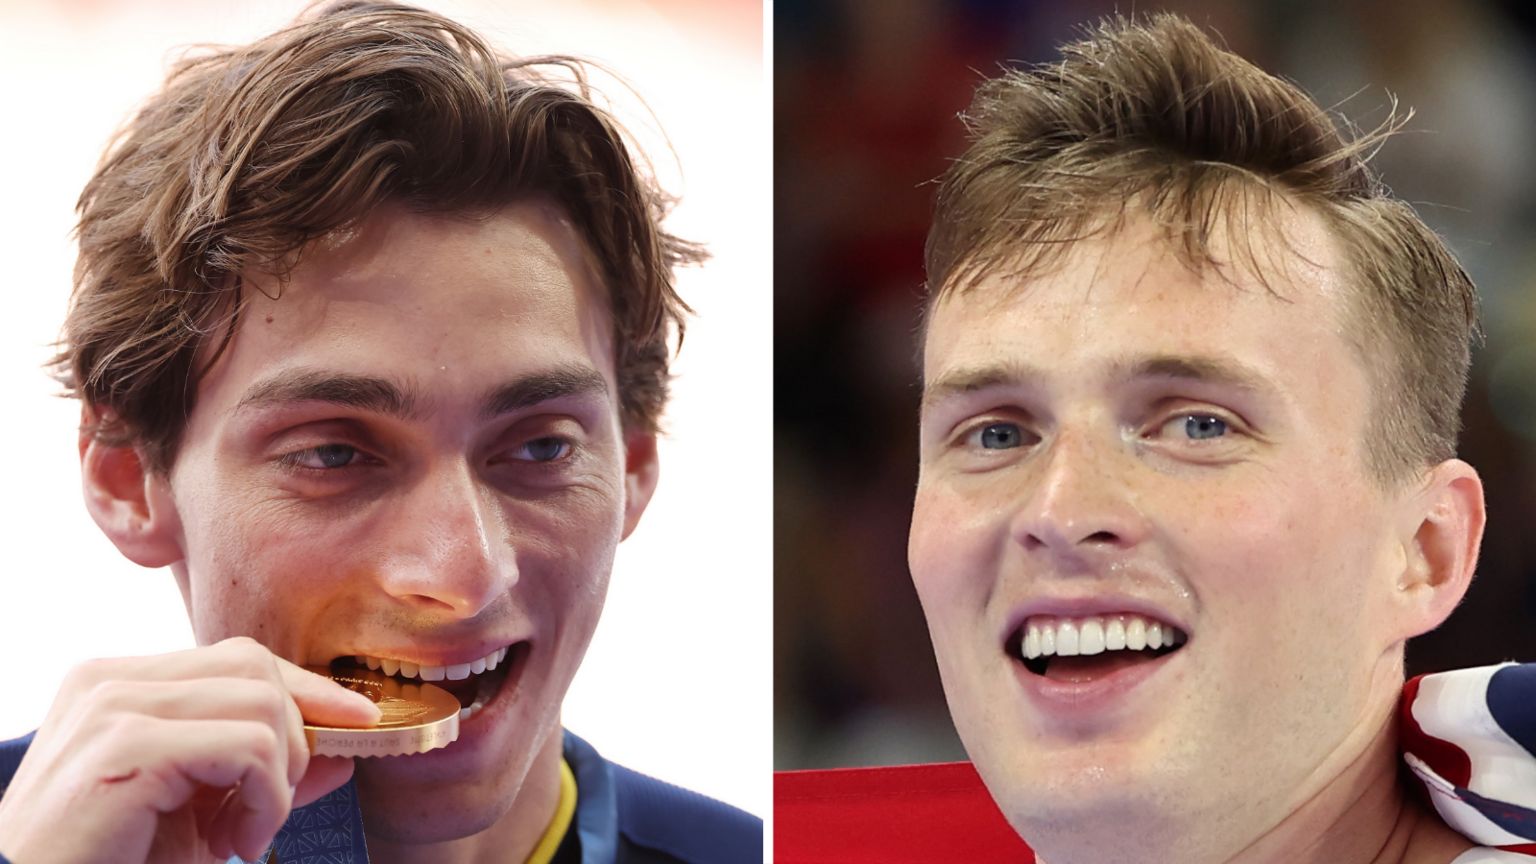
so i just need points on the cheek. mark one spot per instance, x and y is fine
(565, 552)
(270, 565)
(932, 554)
(1289, 564)
(255, 568)
(954, 553)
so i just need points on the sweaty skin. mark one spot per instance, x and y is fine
(1058, 461)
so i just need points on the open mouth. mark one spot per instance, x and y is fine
(1084, 649)
(474, 684)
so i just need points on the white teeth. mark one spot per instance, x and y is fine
(1114, 635)
(1090, 638)
(1136, 634)
(474, 707)
(455, 672)
(1068, 637)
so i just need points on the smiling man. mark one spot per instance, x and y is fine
(1188, 480)
(1191, 385)
(371, 329)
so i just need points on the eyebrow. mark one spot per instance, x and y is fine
(1223, 371)
(403, 400)
(1220, 371)
(559, 382)
(364, 392)
(965, 381)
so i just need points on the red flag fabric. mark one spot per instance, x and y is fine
(911, 814)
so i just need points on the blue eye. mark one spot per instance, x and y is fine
(1201, 427)
(324, 457)
(1001, 436)
(547, 449)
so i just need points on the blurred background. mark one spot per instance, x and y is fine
(866, 94)
(674, 684)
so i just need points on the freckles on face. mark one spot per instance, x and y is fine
(1065, 454)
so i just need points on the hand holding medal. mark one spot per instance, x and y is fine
(415, 717)
(185, 754)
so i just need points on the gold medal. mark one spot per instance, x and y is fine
(417, 718)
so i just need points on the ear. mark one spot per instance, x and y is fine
(130, 504)
(1441, 558)
(640, 472)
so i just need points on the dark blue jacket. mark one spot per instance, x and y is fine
(622, 817)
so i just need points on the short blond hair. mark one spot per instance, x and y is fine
(1151, 113)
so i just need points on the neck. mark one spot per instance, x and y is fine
(510, 838)
(1359, 813)
(1362, 815)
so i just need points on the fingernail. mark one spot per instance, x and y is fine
(369, 702)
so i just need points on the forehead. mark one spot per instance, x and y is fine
(1271, 300)
(526, 252)
(441, 304)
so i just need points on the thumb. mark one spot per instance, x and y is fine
(325, 774)
(323, 702)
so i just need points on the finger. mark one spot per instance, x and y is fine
(218, 753)
(214, 699)
(220, 829)
(244, 833)
(206, 804)
(324, 702)
(239, 656)
(325, 775)
(298, 743)
(250, 836)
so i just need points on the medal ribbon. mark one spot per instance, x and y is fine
(327, 831)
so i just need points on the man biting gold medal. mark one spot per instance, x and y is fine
(371, 330)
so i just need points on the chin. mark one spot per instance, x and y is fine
(1087, 802)
(468, 786)
(439, 817)
(1089, 785)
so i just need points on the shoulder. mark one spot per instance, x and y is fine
(692, 827)
(11, 753)
(654, 821)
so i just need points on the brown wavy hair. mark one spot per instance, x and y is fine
(1150, 115)
(249, 153)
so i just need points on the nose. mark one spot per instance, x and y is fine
(449, 550)
(1080, 507)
